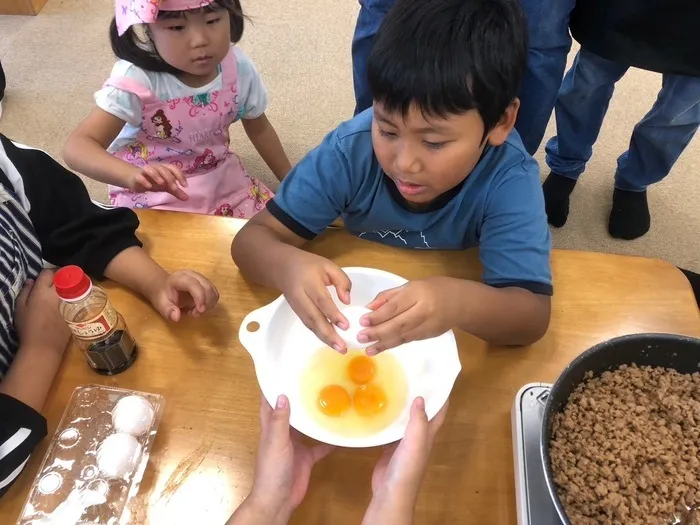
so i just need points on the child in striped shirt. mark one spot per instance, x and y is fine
(46, 215)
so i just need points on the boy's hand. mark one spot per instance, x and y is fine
(304, 283)
(160, 177)
(417, 310)
(37, 319)
(283, 465)
(186, 291)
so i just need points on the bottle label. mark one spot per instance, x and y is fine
(96, 327)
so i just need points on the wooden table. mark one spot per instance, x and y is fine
(21, 7)
(202, 462)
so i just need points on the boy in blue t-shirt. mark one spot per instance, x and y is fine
(435, 164)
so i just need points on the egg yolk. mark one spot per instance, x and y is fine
(370, 400)
(361, 369)
(333, 400)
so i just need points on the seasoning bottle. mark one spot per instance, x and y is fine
(97, 327)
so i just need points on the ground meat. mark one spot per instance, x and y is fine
(626, 448)
(691, 518)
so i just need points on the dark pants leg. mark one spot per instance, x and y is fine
(662, 135)
(2, 83)
(372, 13)
(694, 279)
(548, 25)
(583, 101)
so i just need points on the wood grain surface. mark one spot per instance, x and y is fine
(202, 463)
(21, 7)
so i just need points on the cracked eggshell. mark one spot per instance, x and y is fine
(353, 315)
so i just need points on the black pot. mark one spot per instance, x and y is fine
(669, 351)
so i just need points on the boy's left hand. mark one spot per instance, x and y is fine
(184, 291)
(417, 310)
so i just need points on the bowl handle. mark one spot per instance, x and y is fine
(252, 339)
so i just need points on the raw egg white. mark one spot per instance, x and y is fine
(118, 455)
(133, 415)
(353, 395)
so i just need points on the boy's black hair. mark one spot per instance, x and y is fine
(132, 48)
(449, 56)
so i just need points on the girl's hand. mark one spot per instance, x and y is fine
(37, 319)
(398, 475)
(283, 466)
(160, 177)
(184, 291)
(304, 283)
(416, 310)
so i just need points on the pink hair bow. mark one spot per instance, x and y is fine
(131, 12)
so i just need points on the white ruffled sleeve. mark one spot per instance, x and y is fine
(252, 93)
(123, 104)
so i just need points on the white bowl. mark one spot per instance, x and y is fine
(281, 347)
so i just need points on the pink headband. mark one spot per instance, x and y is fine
(131, 12)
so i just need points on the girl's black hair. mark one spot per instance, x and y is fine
(132, 48)
(450, 56)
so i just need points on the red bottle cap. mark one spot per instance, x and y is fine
(71, 283)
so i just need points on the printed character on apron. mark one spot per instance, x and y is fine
(192, 134)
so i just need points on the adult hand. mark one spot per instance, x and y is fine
(160, 177)
(184, 291)
(402, 465)
(304, 285)
(398, 475)
(282, 469)
(37, 319)
(417, 310)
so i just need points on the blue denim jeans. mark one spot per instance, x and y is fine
(548, 23)
(657, 140)
(550, 43)
(372, 13)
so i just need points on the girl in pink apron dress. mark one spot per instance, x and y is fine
(179, 151)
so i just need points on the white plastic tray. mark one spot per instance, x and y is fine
(69, 488)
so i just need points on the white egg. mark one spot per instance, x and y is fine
(133, 415)
(118, 455)
(353, 314)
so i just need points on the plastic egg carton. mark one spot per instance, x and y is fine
(83, 482)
